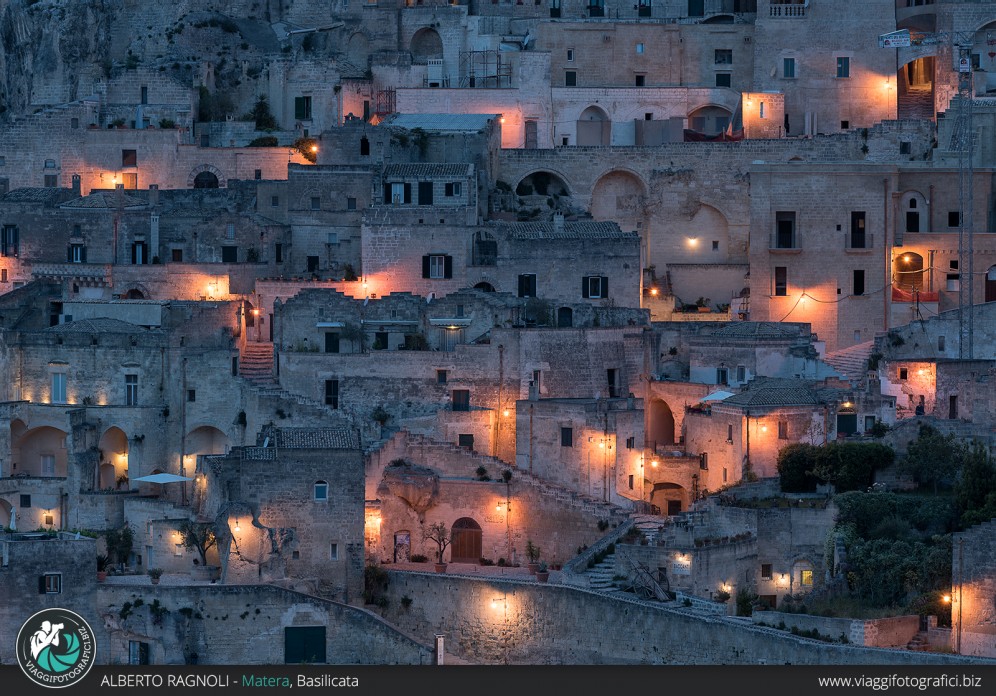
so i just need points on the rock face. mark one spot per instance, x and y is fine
(416, 485)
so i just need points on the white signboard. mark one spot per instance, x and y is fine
(964, 65)
(681, 566)
(896, 39)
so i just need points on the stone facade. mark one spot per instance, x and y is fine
(973, 581)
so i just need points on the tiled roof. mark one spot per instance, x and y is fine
(317, 438)
(472, 123)
(775, 392)
(36, 194)
(105, 199)
(755, 329)
(421, 169)
(96, 325)
(584, 229)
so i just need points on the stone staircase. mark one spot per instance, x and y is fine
(652, 526)
(256, 363)
(916, 103)
(600, 578)
(919, 642)
(851, 362)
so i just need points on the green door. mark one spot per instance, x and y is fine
(304, 644)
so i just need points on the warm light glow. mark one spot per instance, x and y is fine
(601, 445)
(654, 291)
(847, 404)
(255, 312)
(314, 148)
(505, 413)
(802, 300)
(906, 258)
(946, 599)
(498, 507)
(693, 241)
(764, 428)
(237, 527)
(920, 371)
(494, 604)
(502, 119)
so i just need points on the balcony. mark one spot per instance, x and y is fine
(787, 11)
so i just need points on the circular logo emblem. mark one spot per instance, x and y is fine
(56, 648)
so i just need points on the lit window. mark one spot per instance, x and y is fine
(765, 571)
(807, 578)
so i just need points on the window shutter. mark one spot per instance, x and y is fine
(408, 193)
(41, 584)
(425, 266)
(605, 286)
(447, 266)
(387, 193)
(584, 287)
(83, 257)
(522, 286)
(3, 243)
(69, 254)
(134, 247)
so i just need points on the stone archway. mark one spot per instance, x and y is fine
(908, 272)
(215, 177)
(113, 446)
(913, 213)
(671, 498)
(594, 128)
(709, 120)
(40, 452)
(661, 430)
(542, 183)
(358, 50)
(426, 45)
(467, 541)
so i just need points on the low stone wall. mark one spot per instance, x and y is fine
(895, 631)
(244, 624)
(494, 621)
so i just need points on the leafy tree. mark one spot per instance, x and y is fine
(976, 482)
(932, 459)
(795, 468)
(439, 534)
(199, 537)
(261, 114)
(119, 543)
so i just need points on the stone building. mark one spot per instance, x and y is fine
(972, 585)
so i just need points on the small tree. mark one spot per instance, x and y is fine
(439, 534)
(119, 544)
(532, 551)
(932, 458)
(198, 536)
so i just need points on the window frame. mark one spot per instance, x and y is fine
(324, 487)
(843, 67)
(50, 580)
(58, 394)
(131, 390)
(566, 436)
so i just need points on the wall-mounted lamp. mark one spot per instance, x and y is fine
(505, 413)
(654, 291)
(693, 241)
(764, 428)
(946, 599)
(496, 600)
(237, 527)
(654, 463)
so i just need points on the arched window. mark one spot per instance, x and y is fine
(321, 490)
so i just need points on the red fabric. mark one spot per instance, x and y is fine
(692, 136)
(900, 295)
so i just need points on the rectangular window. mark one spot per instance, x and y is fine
(571, 78)
(858, 238)
(596, 8)
(332, 393)
(765, 571)
(58, 387)
(869, 423)
(333, 552)
(51, 181)
(859, 282)
(302, 108)
(954, 218)
(144, 92)
(129, 158)
(783, 429)
(781, 281)
(229, 254)
(612, 378)
(258, 174)
(461, 399)
(437, 266)
(696, 8)
(904, 374)
(466, 440)
(570, 55)
(441, 376)
(51, 583)
(729, 433)
(235, 365)
(760, 111)
(331, 342)
(723, 56)
(741, 374)
(807, 578)
(139, 253)
(785, 229)
(788, 68)
(230, 231)
(316, 202)
(77, 253)
(321, 490)
(594, 287)
(425, 193)
(176, 255)
(350, 203)
(25, 500)
(332, 238)
(940, 343)
(724, 79)
(843, 66)
(527, 285)
(630, 442)
(640, 48)
(567, 437)
(722, 375)
(278, 253)
(138, 653)
(631, 481)
(191, 395)
(645, 8)
(953, 406)
(641, 80)
(48, 465)
(131, 390)
(10, 243)
(704, 461)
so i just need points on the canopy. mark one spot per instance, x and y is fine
(163, 478)
(715, 396)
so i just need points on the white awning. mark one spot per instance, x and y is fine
(716, 396)
(163, 478)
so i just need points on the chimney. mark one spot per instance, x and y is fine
(76, 184)
(558, 223)
(153, 195)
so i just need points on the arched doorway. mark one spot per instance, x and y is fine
(594, 128)
(565, 318)
(709, 120)
(991, 284)
(620, 196)
(247, 309)
(542, 184)
(661, 431)
(467, 545)
(113, 446)
(913, 212)
(909, 271)
(485, 286)
(134, 294)
(39, 452)
(915, 89)
(206, 180)
(426, 44)
(669, 497)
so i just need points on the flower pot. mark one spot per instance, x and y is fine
(533, 567)
(440, 567)
(542, 575)
(155, 581)
(704, 310)
(101, 575)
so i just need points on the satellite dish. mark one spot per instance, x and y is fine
(430, 298)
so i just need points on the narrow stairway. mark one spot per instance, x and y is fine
(256, 363)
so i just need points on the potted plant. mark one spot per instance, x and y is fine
(155, 574)
(122, 481)
(533, 554)
(542, 573)
(102, 562)
(201, 538)
(439, 534)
